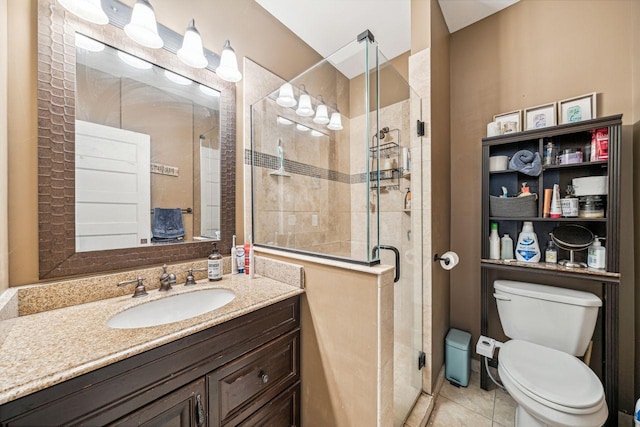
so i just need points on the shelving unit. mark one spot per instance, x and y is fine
(574, 135)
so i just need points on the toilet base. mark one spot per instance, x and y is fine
(525, 419)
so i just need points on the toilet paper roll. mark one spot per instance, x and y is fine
(453, 259)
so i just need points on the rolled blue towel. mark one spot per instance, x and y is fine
(526, 162)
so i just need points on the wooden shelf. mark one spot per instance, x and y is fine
(538, 219)
(555, 269)
(576, 165)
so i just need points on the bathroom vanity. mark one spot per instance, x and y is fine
(238, 365)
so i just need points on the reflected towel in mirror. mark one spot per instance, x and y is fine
(167, 224)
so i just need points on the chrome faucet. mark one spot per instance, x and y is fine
(166, 280)
(190, 279)
(140, 290)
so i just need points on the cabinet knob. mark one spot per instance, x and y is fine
(264, 377)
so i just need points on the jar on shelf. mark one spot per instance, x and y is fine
(591, 207)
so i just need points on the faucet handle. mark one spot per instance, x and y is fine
(190, 279)
(140, 290)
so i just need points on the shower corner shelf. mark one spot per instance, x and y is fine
(281, 173)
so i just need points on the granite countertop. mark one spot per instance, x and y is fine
(47, 348)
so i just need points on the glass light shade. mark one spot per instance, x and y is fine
(86, 43)
(316, 133)
(143, 27)
(283, 121)
(302, 128)
(304, 106)
(89, 10)
(285, 96)
(322, 115)
(134, 61)
(177, 78)
(336, 122)
(191, 52)
(208, 91)
(228, 68)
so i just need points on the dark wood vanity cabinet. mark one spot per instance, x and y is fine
(242, 372)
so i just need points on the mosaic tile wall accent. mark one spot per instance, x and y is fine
(269, 161)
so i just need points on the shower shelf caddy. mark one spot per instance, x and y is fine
(603, 282)
(389, 178)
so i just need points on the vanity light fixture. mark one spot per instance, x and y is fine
(304, 104)
(191, 52)
(322, 114)
(208, 91)
(88, 44)
(134, 61)
(228, 68)
(282, 121)
(89, 10)
(336, 121)
(285, 96)
(317, 133)
(302, 128)
(143, 27)
(177, 78)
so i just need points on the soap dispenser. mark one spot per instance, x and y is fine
(214, 265)
(597, 255)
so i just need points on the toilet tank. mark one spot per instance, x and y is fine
(553, 317)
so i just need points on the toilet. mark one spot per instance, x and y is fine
(549, 327)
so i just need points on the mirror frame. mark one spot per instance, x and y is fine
(56, 149)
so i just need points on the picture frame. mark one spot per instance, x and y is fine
(577, 109)
(507, 120)
(540, 116)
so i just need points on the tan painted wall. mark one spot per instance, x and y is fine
(253, 32)
(440, 183)
(4, 243)
(636, 179)
(532, 53)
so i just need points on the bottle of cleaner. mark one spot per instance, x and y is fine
(214, 265)
(234, 255)
(597, 255)
(407, 199)
(636, 415)
(494, 242)
(527, 249)
(507, 247)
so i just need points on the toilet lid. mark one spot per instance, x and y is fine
(551, 375)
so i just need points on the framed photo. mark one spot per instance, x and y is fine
(509, 122)
(540, 116)
(577, 109)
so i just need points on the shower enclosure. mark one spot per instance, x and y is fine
(336, 172)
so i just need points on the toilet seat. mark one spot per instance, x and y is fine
(552, 377)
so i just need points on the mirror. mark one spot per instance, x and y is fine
(136, 165)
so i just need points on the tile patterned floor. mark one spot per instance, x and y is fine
(473, 407)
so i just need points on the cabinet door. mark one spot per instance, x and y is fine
(283, 411)
(185, 407)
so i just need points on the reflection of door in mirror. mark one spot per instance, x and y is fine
(112, 187)
(181, 119)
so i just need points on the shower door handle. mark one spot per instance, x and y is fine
(397, 254)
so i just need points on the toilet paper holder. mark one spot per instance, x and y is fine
(437, 258)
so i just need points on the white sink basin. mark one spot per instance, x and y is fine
(172, 309)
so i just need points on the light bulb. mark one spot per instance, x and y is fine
(322, 115)
(134, 61)
(191, 52)
(228, 68)
(285, 96)
(143, 27)
(89, 10)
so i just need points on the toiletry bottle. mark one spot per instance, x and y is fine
(551, 252)
(525, 191)
(494, 242)
(597, 255)
(240, 258)
(570, 204)
(507, 247)
(234, 256)
(556, 207)
(407, 200)
(247, 258)
(214, 265)
(527, 249)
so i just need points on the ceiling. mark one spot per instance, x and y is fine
(328, 25)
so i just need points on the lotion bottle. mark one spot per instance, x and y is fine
(214, 265)
(494, 242)
(527, 249)
(597, 255)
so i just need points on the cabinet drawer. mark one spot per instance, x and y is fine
(283, 411)
(244, 385)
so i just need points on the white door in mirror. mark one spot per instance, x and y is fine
(171, 309)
